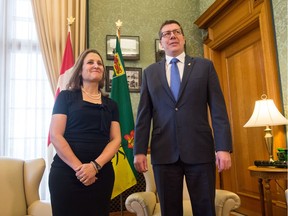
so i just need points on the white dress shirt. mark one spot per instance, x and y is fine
(180, 65)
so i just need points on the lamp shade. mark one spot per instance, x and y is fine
(265, 114)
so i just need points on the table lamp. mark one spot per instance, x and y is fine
(266, 114)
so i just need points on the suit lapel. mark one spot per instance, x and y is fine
(189, 63)
(163, 79)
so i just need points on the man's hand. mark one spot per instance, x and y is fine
(140, 163)
(223, 160)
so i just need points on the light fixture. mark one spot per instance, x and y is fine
(266, 114)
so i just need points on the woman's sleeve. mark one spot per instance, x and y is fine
(61, 105)
(115, 112)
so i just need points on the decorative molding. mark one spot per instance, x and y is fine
(257, 2)
(211, 12)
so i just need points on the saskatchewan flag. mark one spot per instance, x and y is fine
(125, 174)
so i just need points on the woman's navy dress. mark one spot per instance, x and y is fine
(87, 132)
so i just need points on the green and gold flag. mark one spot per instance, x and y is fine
(125, 174)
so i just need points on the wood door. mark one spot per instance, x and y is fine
(240, 43)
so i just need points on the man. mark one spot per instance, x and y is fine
(182, 142)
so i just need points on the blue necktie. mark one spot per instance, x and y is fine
(174, 78)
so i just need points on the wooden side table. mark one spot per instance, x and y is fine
(266, 174)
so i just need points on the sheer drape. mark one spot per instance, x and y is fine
(51, 23)
(2, 75)
(26, 99)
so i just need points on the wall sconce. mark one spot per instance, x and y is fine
(266, 114)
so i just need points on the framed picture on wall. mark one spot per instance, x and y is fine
(134, 78)
(159, 51)
(130, 47)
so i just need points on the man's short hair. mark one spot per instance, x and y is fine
(168, 22)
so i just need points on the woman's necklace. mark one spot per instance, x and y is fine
(92, 96)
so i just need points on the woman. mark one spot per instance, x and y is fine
(85, 132)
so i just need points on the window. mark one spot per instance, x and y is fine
(26, 98)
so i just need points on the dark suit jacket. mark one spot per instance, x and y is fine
(181, 128)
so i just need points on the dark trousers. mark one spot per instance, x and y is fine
(200, 179)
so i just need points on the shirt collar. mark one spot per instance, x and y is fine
(180, 57)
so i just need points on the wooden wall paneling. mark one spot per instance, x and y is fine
(240, 42)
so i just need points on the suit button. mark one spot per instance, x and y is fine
(176, 109)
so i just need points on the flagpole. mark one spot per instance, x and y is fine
(125, 177)
(118, 26)
(67, 63)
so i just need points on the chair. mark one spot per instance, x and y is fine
(19, 184)
(147, 204)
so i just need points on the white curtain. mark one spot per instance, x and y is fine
(26, 99)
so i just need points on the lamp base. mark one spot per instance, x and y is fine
(269, 142)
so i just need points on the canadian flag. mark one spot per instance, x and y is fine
(65, 75)
(66, 67)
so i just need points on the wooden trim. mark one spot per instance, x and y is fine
(233, 26)
(257, 2)
(211, 12)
